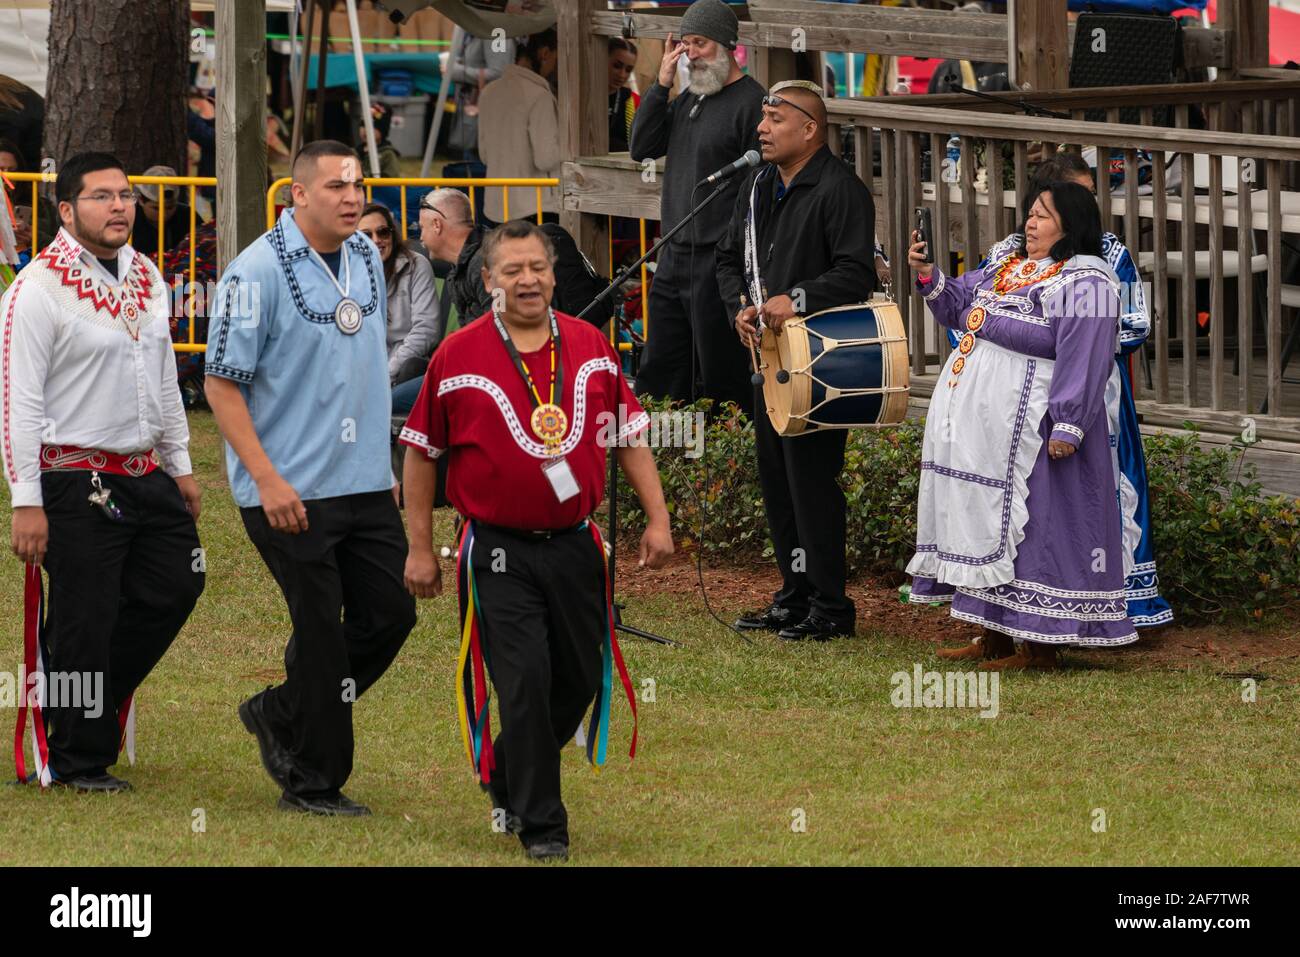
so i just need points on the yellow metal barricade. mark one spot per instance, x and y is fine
(432, 182)
(471, 184)
(192, 183)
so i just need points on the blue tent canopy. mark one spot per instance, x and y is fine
(1136, 6)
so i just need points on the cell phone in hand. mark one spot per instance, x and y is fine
(927, 236)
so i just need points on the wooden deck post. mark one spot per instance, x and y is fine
(1038, 45)
(1247, 24)
(241, 126)
(584, 127)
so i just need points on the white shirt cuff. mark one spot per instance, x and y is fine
(24, 494)
(177, 464)
(1065, 432)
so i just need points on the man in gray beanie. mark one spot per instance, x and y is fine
(708, 125)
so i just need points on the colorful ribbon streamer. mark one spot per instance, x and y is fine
(598, 727)
(472, 690)
(473, 695)
(33, 664)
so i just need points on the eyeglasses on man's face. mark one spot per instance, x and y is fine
(103, 198)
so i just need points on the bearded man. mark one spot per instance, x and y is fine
(708, 125)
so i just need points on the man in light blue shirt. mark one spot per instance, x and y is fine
(297, 377)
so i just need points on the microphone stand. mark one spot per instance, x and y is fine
(623, 276)
(1030, 109)
(612, 536)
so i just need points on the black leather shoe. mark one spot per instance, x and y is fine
(340, 805)
(514, 823)
(275, 758)
(103, 783)
(815, 628)
(772, 618)
(550, 852)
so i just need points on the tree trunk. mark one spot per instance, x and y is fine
(117, 81)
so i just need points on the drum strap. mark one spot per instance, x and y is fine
(752, 277)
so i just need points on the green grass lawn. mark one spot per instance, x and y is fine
(738, 739)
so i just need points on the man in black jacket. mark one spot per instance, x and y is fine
(706, 127)
(814, 225)
(448, 233)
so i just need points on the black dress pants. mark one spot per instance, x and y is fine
(119, 592)
(351, 612)
(543, 626)
(687, 314)
(805, 508)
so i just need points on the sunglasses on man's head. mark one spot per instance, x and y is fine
(773, 100)
(435, 209)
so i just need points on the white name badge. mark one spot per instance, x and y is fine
(560, 476)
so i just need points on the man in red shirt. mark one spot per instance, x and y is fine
(524, 402)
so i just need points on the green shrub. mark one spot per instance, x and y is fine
(1222, 547)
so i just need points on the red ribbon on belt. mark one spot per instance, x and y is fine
(56, 458)
(33, 621)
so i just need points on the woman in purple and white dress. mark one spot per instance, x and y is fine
(1018, 523)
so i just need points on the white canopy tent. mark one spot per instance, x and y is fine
(23, 51)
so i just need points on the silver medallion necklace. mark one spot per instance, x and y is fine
(347, 314)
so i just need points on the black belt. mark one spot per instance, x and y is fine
(531, 535)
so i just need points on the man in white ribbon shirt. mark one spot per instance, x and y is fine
(96, 456)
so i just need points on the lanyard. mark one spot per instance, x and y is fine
(557, 363)
(751, 248)
(347, 269)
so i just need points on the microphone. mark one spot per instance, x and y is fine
(748, 161)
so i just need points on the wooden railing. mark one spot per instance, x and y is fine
(889, 137)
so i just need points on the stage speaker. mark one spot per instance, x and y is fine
(1124, 49)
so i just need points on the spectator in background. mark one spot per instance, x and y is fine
(519, 129)
(622, 100)
(449, 234)
(10, 157)
(390, 161)
(175, 213)
(952, 75)
(707, 126)
(13, 161)
(278, 136)
(202, 132)
(472, 65)
(413, 321)
(22, 120)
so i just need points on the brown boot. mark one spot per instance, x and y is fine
(1032, 655)
(997, 645)
(970, 652)
(992, 644)
(1042, 656)
(1016, 662)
